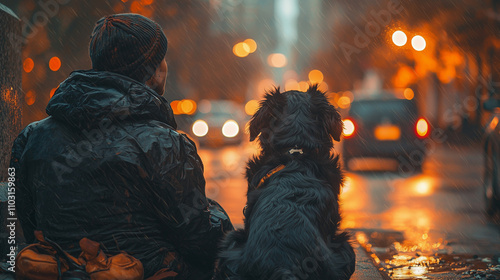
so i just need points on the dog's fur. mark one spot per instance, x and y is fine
(292, 220)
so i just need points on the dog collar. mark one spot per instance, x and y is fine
(269, 174)
(263, 180)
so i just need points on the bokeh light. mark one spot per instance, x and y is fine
(348, 128)
(28, 65)
(136, 7)
(200, 128)
(185, 106)
(399, 38)
(188, 106)
(418, 43)
(265, 85)
(52, 91)
(251, 107)
(30, 97)
(408, 93)
(54, 63)
(303, 86)
(175, 107)
(323, 86)
(204, 106)
(241, 49)
(277, 60)
(230, 128)
(251, 44)
(423, 188)
(315, 76)
(292, 85)
(349, 94)
(344, 102)
(422, 127)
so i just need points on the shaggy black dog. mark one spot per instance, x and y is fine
(292, 216)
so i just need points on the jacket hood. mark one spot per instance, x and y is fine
(88, 97)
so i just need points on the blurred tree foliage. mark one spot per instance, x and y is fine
(471, 27)
(201, 62)
(463, 45)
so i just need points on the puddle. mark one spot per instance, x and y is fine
(425, 258)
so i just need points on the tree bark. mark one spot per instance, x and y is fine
(10, 85)
(10, 109)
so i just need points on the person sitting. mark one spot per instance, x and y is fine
(109, 165)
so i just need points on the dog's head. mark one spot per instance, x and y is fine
(293, 118)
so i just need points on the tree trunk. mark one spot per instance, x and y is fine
(10, 108)
(10, 85)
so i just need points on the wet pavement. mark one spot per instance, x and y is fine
(428, 225)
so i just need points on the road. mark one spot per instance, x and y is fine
(437, 211)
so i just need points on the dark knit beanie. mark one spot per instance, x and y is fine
(128, 44)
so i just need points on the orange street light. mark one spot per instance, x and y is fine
(399, 38)
(418, 43)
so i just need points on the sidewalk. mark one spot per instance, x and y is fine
(365, 268)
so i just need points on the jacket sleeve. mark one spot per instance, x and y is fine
(194, 223)
(25, 208)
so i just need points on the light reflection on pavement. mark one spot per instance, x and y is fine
(224, 175)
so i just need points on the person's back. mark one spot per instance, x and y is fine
(107, 164)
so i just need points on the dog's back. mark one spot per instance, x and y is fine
(292, 215)
(287, 227)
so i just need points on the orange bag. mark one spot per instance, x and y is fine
(45, 260)
(102, 267)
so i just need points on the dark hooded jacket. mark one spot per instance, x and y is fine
(108, 164)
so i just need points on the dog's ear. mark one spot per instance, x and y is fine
(326, 112)
(269, 111)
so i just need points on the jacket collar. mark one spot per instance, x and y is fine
(88, 97)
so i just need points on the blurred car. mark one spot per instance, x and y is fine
(385, 127)
(492, 158)
(219, 122)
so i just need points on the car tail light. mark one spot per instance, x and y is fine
(349, 128)
(422, 128)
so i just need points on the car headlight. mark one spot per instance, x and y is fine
(200, 128)
(230, 129)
